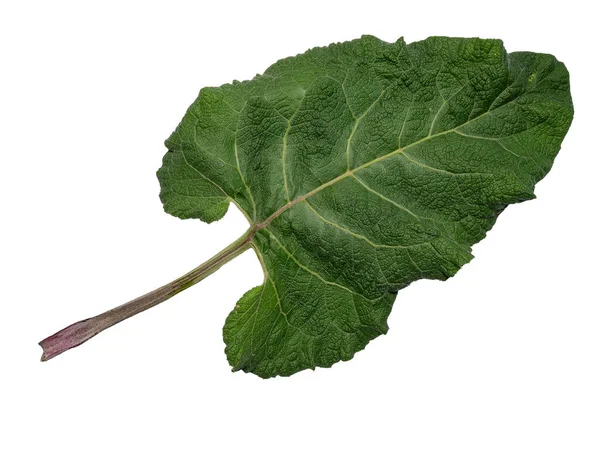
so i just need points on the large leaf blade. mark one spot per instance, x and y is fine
(364, 166)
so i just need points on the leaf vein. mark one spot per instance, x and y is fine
(383, 197)
(306, 269)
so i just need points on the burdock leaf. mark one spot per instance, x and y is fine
(361, 167)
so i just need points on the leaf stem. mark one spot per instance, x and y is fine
(79, 332)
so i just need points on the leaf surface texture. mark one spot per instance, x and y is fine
(364, 166)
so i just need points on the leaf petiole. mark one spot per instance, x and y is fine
(79, 332)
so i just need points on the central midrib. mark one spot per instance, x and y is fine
(349, 173)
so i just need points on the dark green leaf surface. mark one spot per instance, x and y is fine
(363, 166)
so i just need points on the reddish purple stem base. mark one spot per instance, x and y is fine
(67, 338)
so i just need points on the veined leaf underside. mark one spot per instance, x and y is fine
(361, 167)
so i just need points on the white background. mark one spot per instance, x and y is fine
(503, 356)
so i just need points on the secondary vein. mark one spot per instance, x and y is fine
(349, 173)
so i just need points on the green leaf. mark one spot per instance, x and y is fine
(361, 167)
